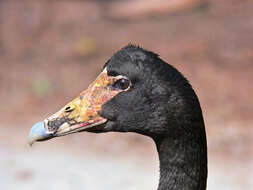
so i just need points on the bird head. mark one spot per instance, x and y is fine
(135, 92)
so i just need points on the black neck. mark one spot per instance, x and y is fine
(183, 161)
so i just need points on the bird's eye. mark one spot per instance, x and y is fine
(121, 84)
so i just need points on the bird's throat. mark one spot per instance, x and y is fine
(183, 162)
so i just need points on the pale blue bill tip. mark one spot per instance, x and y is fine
(38, 133)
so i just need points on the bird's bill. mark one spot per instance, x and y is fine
(78, 115)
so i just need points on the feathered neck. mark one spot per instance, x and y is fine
(183, 160)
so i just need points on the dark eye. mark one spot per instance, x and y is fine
(121, 84)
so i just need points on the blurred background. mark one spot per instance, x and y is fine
(51, 50)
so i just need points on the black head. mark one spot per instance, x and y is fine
(159, 99)
(136, 92)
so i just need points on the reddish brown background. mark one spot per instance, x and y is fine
(51, 50)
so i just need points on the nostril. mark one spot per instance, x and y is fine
(69, 109)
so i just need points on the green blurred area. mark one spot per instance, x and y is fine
(41, 87)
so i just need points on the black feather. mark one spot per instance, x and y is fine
(162, 105)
